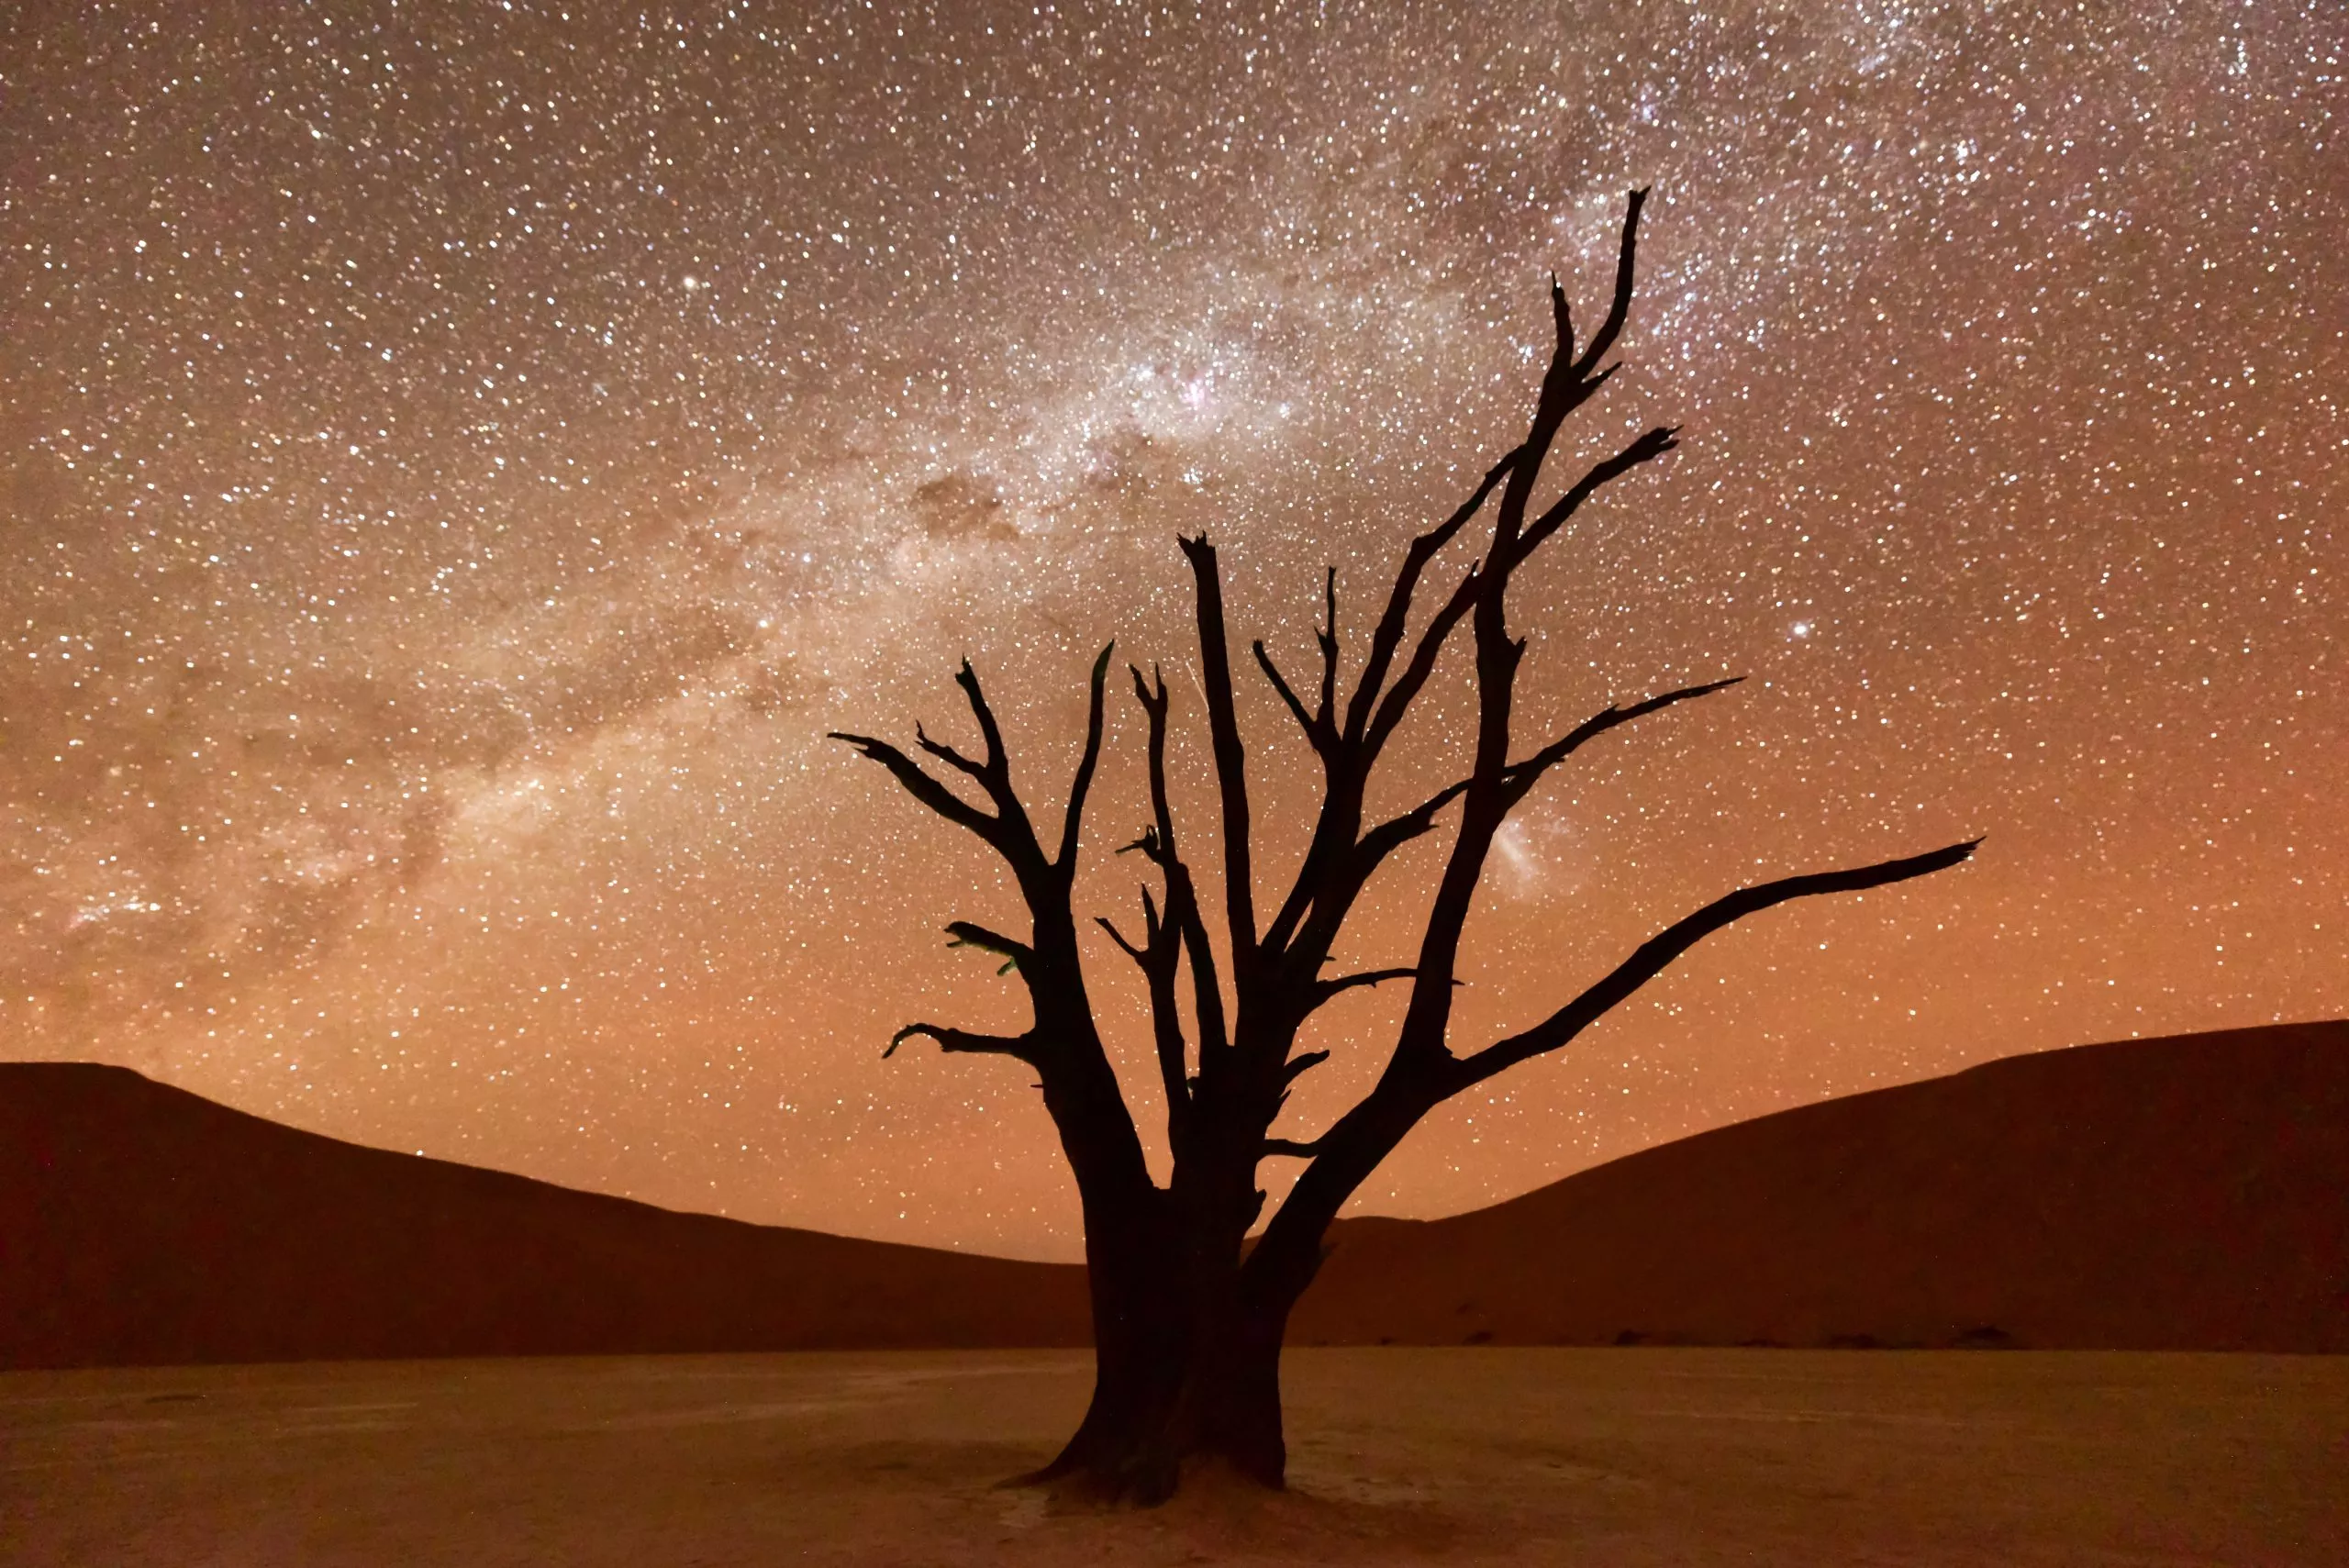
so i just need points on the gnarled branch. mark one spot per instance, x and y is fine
(1024, 1047)
(967, 934)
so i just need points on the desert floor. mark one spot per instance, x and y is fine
(1469, 1455)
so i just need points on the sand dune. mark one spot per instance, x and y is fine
(143, 1224)
(2190, 1193)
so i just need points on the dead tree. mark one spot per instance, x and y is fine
(1189, 1323)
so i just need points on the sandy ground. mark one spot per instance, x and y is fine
(1470, 1455)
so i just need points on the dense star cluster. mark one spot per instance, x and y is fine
(457, 459)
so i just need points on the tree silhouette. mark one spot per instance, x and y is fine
(1187, 1320)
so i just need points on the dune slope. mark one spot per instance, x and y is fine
(2183, 1193)
(143, 1224)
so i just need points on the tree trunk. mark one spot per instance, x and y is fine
(1185, 1367)
(1208, 1391)
(1237, 1390)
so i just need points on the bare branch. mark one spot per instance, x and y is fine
(968, 679)
(1522, 776)
(1302, 1148)
(1565, 384)
(1025, 1047)
(1152, 695)
(1327, 636)
(1006, 828)
(1647, 448)
(1183, 913)
(948, 755)
(1562, 318)
(1166, 1035)
(1289, 697)
(1415, 674)
(1343, 772)
(1324, 990)
(1388, 636)
(1333, 896)
(971, 934)
(1298, 1065)
(1131, 952)
(1152, 932)
(1392, 835)
(921, 786)
(1626, 255)
(1159, 956)
(1066, 864)
(1230, 758)
(1658, 951)
(1016, 954)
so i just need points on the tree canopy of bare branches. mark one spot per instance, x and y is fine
(1189, 1322)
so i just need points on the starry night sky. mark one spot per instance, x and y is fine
(457, 461)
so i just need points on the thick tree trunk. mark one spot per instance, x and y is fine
(1237, 1393)
(1169, 1389)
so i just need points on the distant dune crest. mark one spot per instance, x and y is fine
(2187, 1192)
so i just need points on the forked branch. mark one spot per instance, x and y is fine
(922, 787)
(1006, 828)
